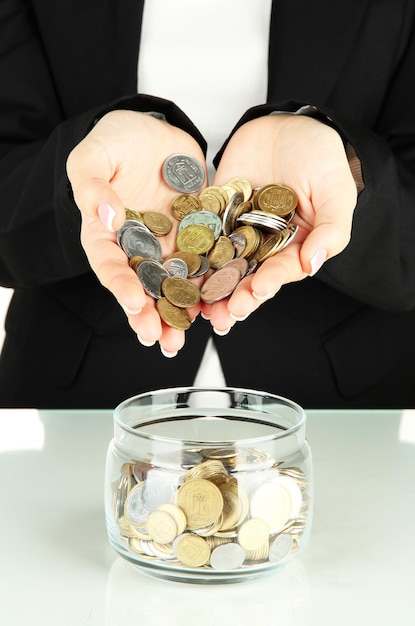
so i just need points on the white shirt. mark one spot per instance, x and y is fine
(210, 57)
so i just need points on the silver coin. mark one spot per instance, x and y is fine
(207, 218)
(183, 173)
(176, 267)
(129, 224)
(159, 489)
(151, 275)
(204, 267)
(138, 242)
(239, 242)
(267, 222)
(229, 213)
(135, 507)
(227, 556)
(280, 547)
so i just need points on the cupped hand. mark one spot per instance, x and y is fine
(308, 156)
(118, 165)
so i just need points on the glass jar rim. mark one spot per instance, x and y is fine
(289, 430)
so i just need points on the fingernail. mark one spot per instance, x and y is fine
(221, 333)
(106, 214)
(265, 296)
(205, 317)
(239, 319)
(317, 261)
(145, 343)
(169, 355)
(131, 311)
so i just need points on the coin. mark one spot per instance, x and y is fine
(207, 218)
(195, 238)
(183, 173)
(201, 502)
(277, 199)
(173, 315)
(176, 267)
(241, 184)
(181, 292)
(222, 252)
(192, 550)
(177, 514)
(157, 222)
(227, 556)
(135, 509)
(272, 503)
(184, 204)
(220, 285)
(138, 242)
(232, 211)
(253, 533)
(130, 214)
(151, 275)
(161, 526)
(211, 202)
(280, 547)
(193, 260)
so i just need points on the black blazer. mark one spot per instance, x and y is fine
(345, 338)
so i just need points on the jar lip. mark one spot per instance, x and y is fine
(148, 418)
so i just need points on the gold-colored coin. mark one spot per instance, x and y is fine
(254, 239)
(241, 184)
(181, 292)
(195, 238)
(173, 315)
(271, 246)
(158, 223)
(217, 190)
(201, 502)
(193, 260)
(184, 204)
(130, 214)
(231, 506)
(177, 513)
(253, 533)
(277, 199)
(135, 261)
(222, 252)
(161, 526)
(206, 470)
(192, 550)
(211, 202)
(259, 554)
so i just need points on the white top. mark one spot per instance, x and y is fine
(210, 57)
(58, 569)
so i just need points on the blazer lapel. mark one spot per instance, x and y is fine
(326, 30)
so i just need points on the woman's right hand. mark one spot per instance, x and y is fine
(118, 165)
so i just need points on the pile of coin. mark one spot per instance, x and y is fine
(212, 513)
(229, 229)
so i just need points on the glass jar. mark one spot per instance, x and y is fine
(208, 484)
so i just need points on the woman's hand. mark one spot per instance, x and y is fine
(308, 156)
(118, 165)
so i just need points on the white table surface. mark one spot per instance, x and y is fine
(57, 568)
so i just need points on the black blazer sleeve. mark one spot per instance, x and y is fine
(39, 221)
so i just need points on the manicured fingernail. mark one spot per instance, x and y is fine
(145, 343)
(106, 214)
(317, 261)
(169, 355)
(221, 333)
(265, 296)
(131, 311)
(237, 318)
(205, 317)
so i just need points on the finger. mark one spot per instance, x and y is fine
(110, 264)
(93, 193)
(332, 225)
